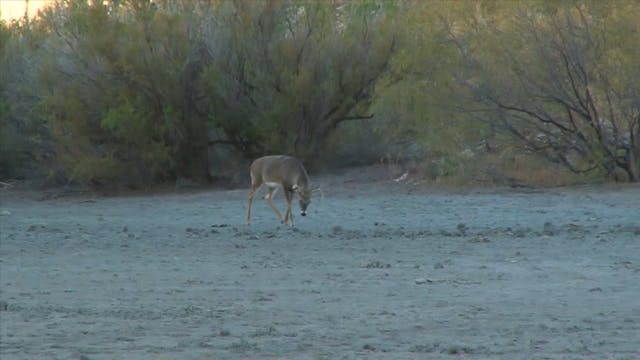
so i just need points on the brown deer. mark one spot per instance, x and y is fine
(285, 171)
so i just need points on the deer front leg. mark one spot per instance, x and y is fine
(269, 198)
(251, 194)
(288, 194)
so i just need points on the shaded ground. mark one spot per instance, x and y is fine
(377, 270)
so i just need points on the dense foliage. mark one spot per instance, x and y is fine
(137, 92)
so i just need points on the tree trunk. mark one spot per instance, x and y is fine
(633, 166)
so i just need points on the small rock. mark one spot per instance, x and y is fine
(421, 281)
(462, 228)
(480, 239)
(369, 347)
(5, 213)
(36, 227)
(549, 229)
(377, 264)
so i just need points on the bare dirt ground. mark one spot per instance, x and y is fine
(378, 270)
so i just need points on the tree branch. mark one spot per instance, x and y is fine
(354, 117)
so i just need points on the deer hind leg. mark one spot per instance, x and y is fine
(269, 197)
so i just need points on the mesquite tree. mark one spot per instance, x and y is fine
(563, 82)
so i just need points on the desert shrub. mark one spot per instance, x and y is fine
(23, 137)
(286, 75)
(273, 77)
(140, 92)
(13, 145)
(114, 102)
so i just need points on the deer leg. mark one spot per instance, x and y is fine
(269, 198)
(288, 216)
(251, 194)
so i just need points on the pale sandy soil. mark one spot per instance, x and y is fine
(378, 270)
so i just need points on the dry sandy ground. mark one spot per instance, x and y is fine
(378, 270)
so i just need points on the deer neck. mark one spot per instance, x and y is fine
(301, 182)
(303, 179)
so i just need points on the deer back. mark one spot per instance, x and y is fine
(282, 169)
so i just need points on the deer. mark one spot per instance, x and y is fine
(284, 171)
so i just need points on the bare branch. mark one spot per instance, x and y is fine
(355, 117)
